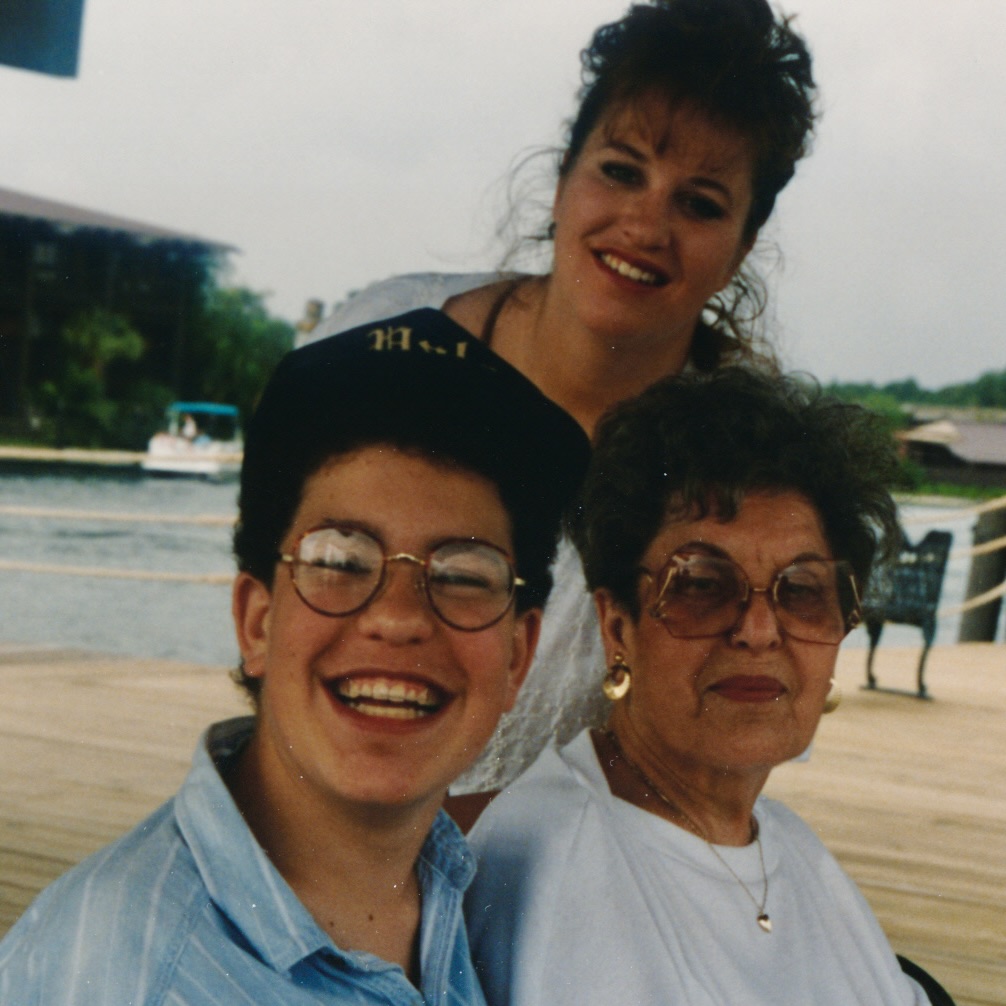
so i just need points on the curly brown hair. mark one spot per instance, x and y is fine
(745, 69)
(733, 60)
(695, 445)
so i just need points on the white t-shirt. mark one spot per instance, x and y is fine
(562, 692)
(584, 898)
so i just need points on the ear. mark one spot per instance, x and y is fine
(251, 607)
(617, 627)
(527, 628)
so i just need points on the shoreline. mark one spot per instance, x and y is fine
(64, 458)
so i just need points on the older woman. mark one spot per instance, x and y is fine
(692, 116)
(727, 527)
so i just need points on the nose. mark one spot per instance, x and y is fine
(648, 219)
(399, 612)
(757, 629)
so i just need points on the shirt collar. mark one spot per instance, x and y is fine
(244, 884)
(446, 853)
(241, 880)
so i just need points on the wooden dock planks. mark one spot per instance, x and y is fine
(910, 795)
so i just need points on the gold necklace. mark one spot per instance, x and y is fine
(762, 918)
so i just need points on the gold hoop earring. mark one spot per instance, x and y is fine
(834, 697)
(618, 680)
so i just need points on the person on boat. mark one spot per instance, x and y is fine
(691, 119)
(399, 509)
(728, 525)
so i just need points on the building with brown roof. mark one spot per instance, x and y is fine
(960, 450)
(58, 260)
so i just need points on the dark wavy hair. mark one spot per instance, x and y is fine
(733, 60)
(744, 68)
(696, 445)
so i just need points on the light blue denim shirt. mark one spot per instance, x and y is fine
(187, 910)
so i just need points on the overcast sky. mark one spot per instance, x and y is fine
(336, 143)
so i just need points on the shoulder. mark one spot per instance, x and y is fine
(786, 831)
(98, 933)
(538, 846)
(536, 834)
(793, 846)
(389, 297)
(552, 783)
(782, 826)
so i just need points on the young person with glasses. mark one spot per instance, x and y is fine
(727, 527)
(399, 509)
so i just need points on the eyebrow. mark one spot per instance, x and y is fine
(707, 548)
(364, 526)
(703, 181)
(624, 148)
(704, 547)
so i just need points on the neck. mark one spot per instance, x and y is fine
(716, 805)
(352, 868)
(581, 370)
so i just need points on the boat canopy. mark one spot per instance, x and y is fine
(208, 408)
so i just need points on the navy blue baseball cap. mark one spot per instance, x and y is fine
(416, 381)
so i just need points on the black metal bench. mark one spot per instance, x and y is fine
(906, 590)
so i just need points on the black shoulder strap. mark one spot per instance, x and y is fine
(938, 995)
(489, 326)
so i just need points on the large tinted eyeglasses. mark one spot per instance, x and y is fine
(339, 570)
(698, 595)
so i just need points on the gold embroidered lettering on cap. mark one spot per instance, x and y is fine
(391, 338)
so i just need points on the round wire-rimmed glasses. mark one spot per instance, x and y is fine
(697, 595)
(338, 570)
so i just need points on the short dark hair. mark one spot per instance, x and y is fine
(418, 382)
(695, 445)
(733, 60)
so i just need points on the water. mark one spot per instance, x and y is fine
(191, 621)
(184, 621)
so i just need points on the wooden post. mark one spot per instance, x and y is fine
(987, 571)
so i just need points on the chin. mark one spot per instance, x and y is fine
(396, 798)
(762, 754)
(617, 325)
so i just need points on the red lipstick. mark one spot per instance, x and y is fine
(749, 688)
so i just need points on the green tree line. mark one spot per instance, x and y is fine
(93, 398)
(986, 392)
(894, 402)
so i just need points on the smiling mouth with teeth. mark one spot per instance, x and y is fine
(387, 698)
(629, 271)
